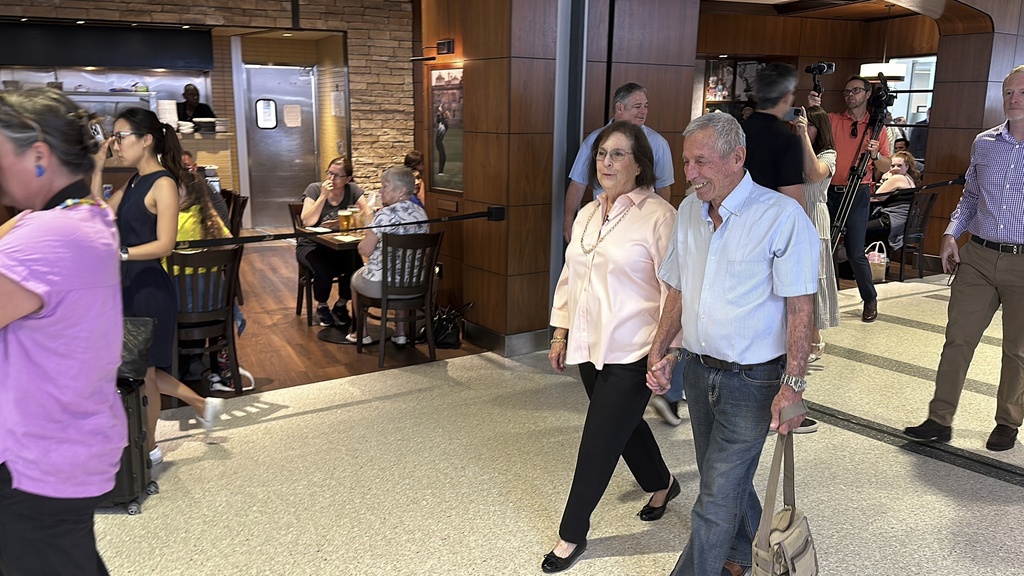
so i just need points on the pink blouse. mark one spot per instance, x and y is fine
(609, 295)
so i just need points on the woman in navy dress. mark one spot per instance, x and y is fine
(147, 218)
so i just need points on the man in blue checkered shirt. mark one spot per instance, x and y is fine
(989, 273)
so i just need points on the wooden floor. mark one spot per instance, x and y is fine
(280, 350)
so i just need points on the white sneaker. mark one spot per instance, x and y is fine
(214, 407)
(217, 384)
(399, 340)
(352, 339)
(156, 456)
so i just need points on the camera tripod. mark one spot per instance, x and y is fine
(875, 122)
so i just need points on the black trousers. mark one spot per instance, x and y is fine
(856, 230)
(42, 536)
(615, 426)
(327, 265)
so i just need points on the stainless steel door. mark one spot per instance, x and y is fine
(281, 135)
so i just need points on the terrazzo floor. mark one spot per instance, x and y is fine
(462, 467)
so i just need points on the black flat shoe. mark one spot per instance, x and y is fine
(650, 513)
(553, 563)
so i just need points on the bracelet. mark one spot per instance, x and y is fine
(558, 340)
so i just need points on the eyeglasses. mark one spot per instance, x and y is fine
(853, 129)
(617, 155)
(853, 91)
(120, 136)
(335, 174)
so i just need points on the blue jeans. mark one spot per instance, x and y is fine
(675, 390)
(729, 414)
(856, 234)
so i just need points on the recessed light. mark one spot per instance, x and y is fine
(80, 22)
(160, 69)
(185, 27)
(90, 68)
(287, 34)
(723, 55)
(134, 24)
(24, 19)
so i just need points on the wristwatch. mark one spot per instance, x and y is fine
(797, 383)
(124, 253)
(677, 353)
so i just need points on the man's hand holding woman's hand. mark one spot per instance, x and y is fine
(659, 374)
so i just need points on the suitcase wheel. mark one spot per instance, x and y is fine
(152, 488)
(134, 508)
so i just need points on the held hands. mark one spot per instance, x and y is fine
(785, 397)
(950, 253)
(659, 374)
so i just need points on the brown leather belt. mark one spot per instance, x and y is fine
(1004, 248)
(712, 362)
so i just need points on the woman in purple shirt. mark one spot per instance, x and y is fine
(62, 425)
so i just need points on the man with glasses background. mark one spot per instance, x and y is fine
(850, 131)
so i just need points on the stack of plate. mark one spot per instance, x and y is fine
(186, 127)
(167, 111)
(222, 124)
(205, 125)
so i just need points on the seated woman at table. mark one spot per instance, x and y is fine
(397, 186)
(319, 207)
(887, 221)
(199, 220)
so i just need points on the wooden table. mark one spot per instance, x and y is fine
(331, 240)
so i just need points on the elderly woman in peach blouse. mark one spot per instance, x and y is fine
(606, 310)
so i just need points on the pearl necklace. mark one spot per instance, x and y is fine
(600, 238)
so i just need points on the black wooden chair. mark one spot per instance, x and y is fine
(916, 229)
(205, 282)
(305, 286)
(408, 262)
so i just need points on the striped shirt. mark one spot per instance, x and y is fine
(992, 206)
(848, 148)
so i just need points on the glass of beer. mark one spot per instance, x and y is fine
(345, 220)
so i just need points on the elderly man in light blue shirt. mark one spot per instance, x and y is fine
(631, 105)
(743, 272)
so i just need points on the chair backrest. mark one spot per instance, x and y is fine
(205, 282)
(295, 211)
(917, 217)
(229, 198)
(408, 263)
(235, 212)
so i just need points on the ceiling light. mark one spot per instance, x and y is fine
(185, 27)
(892, 71)
(24, 19)
(723, 55)
(287, 34)
(80, 22)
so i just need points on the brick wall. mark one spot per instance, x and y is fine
(379, 41)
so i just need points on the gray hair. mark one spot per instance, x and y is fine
(1017, 70)
(772, 83)
(728, 134)
(400, 177)
(46, 115)
(625, 92)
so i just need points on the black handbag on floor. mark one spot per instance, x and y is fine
(447, 324)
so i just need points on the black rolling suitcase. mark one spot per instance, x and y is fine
(134, 479)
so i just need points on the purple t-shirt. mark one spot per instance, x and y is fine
(62, 424)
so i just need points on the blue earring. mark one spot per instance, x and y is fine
(39, 171)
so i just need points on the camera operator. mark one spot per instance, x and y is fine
(850, 129)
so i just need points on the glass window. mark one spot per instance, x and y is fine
(266, 114)
(920, 81)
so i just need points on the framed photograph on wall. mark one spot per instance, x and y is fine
(746, 71)
(721, 75)
(445, 119)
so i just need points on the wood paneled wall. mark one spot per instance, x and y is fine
(507, 51)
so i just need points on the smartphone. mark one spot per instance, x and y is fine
(792, 114)
(97, 132)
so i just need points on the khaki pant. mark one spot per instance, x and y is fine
(984, 280)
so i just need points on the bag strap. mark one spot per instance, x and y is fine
(880, 249)
(783, 448)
